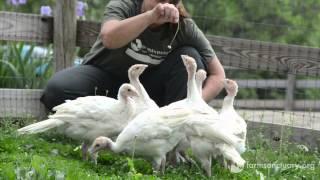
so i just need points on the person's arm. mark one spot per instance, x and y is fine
(214, 82)
(118, 33)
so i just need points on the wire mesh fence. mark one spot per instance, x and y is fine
(279, 83)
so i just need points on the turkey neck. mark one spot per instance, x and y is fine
(199, 83)
(135, 82)
(228, 101)
(126, 104)
(114, 147)
(192, 92)
(131, 108)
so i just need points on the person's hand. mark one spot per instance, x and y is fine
(163, 13)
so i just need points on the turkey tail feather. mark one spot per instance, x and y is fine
(225, 136)
(40, 126)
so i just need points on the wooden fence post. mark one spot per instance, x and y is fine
(291, 87)
(65, 26)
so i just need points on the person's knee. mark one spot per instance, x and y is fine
(53, 87)
(52, 94)
(190, 51)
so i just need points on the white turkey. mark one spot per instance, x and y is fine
(229, 116)
(151, 134)
(143, 101)
(230, 119)
(86, 118)
(180, 150)
(201, 76)
(204, 127)
(230, 122)
(208, 139)
(194, 98)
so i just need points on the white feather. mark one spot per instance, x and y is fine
(86, 118)
(151, 134)
(143, 101)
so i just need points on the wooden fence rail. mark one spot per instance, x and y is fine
(276, 83)
(238, 53)
(66, 32)
(26, 102)
(19, 102)
(242, 53)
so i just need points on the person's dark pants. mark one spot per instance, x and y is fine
(165, 83)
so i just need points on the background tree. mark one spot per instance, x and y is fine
(282, 21)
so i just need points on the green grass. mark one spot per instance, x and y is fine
(49, 156)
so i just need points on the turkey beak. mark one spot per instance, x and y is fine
(184, 59)
(143, 67)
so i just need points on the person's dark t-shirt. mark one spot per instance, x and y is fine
(150, 47)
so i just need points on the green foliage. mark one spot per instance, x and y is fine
(283, 21)
(48, 156)
(20, 69)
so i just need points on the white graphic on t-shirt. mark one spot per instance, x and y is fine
(140, 52)
(136, 46)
